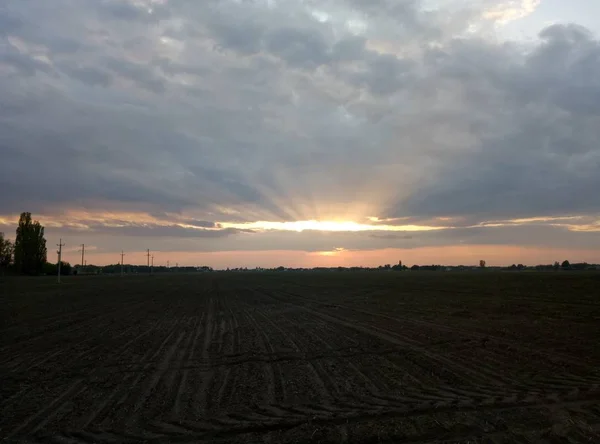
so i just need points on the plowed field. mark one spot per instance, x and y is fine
(285, 357)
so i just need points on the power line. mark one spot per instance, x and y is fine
(59, 245)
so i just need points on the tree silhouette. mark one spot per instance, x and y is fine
(566, 264)
(6, 253)
(30, 246)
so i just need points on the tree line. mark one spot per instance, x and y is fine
(28, 254)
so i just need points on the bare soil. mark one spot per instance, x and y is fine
(311, 357)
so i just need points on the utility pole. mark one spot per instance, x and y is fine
(152, 266)
(122, 254)
(82, 254)
(59, 245)
(148, 258)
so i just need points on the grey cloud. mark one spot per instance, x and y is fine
(177, 239)
(123, 10)
(238, 111)
(571, 33)
(245, 38)
(149, 231)
(537, 154)
(9, 23)
(391, 236)
(137, 72)
(404, 11)
(89, 75)
(22, 63)
(202, 223)
(386, 74)
(298, 47)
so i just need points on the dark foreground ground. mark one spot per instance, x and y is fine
(281, 358)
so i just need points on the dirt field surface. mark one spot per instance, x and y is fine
(312, 357)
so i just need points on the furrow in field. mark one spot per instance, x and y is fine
(69, 367)
(199, 396)
(226, 388)
(54, 342)
(500, 359)
(119, 408)
(186, 356)
(221, 341)
(229, 430)
(510, 343)
(481, 381)
(487, 374)
(303, 343)
(500, 363)
(276, 385)
(368, 385)
(41, 417)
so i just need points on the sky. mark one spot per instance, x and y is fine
(244, 133)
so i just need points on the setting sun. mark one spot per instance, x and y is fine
(316, 225)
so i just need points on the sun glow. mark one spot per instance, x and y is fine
(334, 252)
(316, 225)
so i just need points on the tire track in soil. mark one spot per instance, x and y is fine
(102, 408)
(434, 391)
(187, 356)
(83, 375)
(276, 384)
(166, 393)
(421, 394)
(480, 379)
(221, 335)
(489, 373)
(376, 414)
(57, 329)
(362, 391)
(327, 368)
(484, 389)
(377, 388)
(348, 370)
(250, 375)
(322, 380)
(58, 338)
(131, 394)
(125, 313)
(226, 388)
(377, 384)
(511, 344)
(495, 357)
(329, 393)
(156, 377)
(43, 416)
(199, 399)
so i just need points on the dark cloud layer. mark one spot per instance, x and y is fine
(245, 111)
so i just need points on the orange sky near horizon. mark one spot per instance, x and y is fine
(494, 255)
